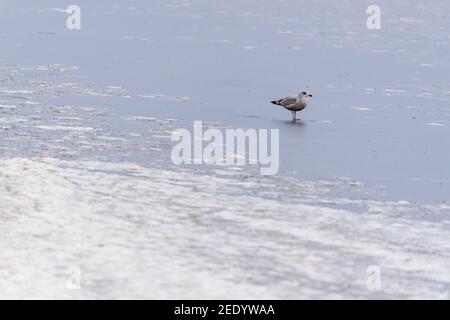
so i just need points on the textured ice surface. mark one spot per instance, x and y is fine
(138, 232)
(79, 190)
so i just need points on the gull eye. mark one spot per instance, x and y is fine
(304, 92)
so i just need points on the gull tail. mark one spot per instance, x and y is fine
(277, 102)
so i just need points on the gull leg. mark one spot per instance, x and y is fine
(294, 116)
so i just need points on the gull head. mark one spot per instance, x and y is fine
(305, 94)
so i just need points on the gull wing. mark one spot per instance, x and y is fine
(286, 101)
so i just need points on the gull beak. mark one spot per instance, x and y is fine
(310, 95)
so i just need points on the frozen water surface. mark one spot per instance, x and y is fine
(86, 179)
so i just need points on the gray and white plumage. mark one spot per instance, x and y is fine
(294, 104)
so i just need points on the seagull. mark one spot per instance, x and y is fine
(294, 104)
